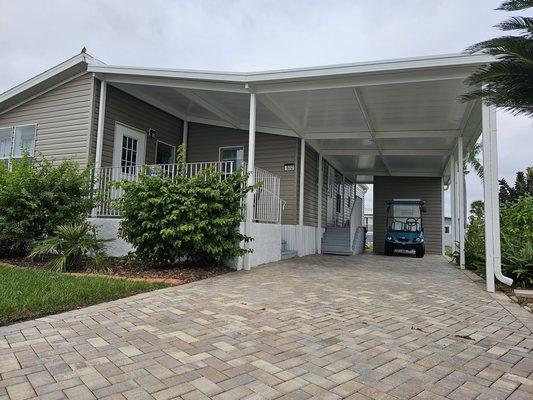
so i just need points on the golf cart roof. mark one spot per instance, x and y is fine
(405, 202)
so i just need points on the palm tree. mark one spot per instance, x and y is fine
(508, 81)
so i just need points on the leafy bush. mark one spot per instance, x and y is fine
(69, 244)
(167, 219)
(516, 222)
(36, 196)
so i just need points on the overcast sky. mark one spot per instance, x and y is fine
(252, 35)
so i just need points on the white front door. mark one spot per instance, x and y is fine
(129, 149)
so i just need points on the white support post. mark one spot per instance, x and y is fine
(100, 126)
(493, 261)
(452, 202)
(99, 138)
(460, 198)
(319, 201)
(443, 219)
(251, 177)
(185, 138)
(301, 200)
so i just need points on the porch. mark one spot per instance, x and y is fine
(377, 122)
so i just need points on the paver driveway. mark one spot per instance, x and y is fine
(321, 327)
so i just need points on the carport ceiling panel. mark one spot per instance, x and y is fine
(346, 144)
(435, 143)
(267, 118)
(236, 105)
(327, 110)
(415, 106)
(333, 110)
(157, 96)
(421, 164)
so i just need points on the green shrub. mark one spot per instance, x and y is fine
(516, 231)
(69, 244)
(168, 219)
(517, 240)
(36, 196)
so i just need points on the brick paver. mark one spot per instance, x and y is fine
(318, 327)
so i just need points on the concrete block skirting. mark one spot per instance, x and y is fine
(108, 229)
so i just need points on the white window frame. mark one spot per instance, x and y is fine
(238, 147)
(12, 147)
(166, 144)
(11, 142)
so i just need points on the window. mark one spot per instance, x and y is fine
(165, 153)
(24, 140)
(339, 203)
(6, 135)
(235, 154)
(446, 229)
(128, 158)
(14, 141)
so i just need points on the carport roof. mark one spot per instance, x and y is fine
(390, 117)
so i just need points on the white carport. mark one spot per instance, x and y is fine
(385, 118)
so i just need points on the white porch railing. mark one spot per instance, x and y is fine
(268, 206)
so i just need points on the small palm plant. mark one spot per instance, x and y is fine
(69, 244)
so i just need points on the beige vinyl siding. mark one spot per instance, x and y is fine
(423, 188)
(272, 152)
(126, 109)
(310, 187)
(62, 116)
(325, 166)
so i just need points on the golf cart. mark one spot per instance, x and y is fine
(404, 226)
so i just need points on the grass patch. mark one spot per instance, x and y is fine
(30, 293)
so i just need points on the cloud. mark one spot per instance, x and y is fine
(251, 35)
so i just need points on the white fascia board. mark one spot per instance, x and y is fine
(437, 61)
(179, 83)
(289, 76)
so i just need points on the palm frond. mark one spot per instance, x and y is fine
(517, 23)
(515, 5)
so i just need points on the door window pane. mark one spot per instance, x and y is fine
(165, 153)
(129, 153)
(5, 142)
(24, 140)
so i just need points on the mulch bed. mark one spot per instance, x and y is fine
(120, 268)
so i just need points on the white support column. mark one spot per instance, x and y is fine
(99, 139)
(301, 200)
(452, 202)
(492, 206)
(100, 126)
(319, 201)
(251, 177)
(185, 138)
(443, 220)
(461, 204)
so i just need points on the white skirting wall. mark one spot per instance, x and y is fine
(311, 234)
(266, 244)
(108, 229)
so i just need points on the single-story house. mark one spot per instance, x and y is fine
(313, 136)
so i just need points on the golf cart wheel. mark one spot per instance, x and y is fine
(420, 251)
(389, 249)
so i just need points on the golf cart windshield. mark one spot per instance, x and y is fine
(405, 215)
